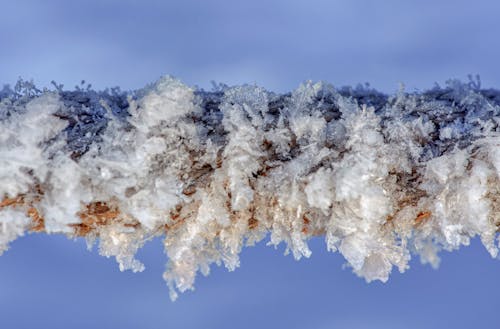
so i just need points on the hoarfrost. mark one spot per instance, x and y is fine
(381, 178)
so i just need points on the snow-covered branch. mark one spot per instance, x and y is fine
(380, 177)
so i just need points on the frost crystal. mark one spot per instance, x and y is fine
(381, 178)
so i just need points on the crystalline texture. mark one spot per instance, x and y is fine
(381, 177)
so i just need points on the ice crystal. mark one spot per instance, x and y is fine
(381, 178)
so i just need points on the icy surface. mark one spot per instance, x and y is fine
(382, 178)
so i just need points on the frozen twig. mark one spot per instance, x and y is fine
(380, 177)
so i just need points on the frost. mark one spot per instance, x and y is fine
(382, 178)
(13, 224)
(25, 137)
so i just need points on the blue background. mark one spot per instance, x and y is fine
(52, 282)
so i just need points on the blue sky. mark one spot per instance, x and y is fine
(52, 282)
(276, 44)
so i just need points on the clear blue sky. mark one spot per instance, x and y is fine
(276, 44)
(51, 282)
